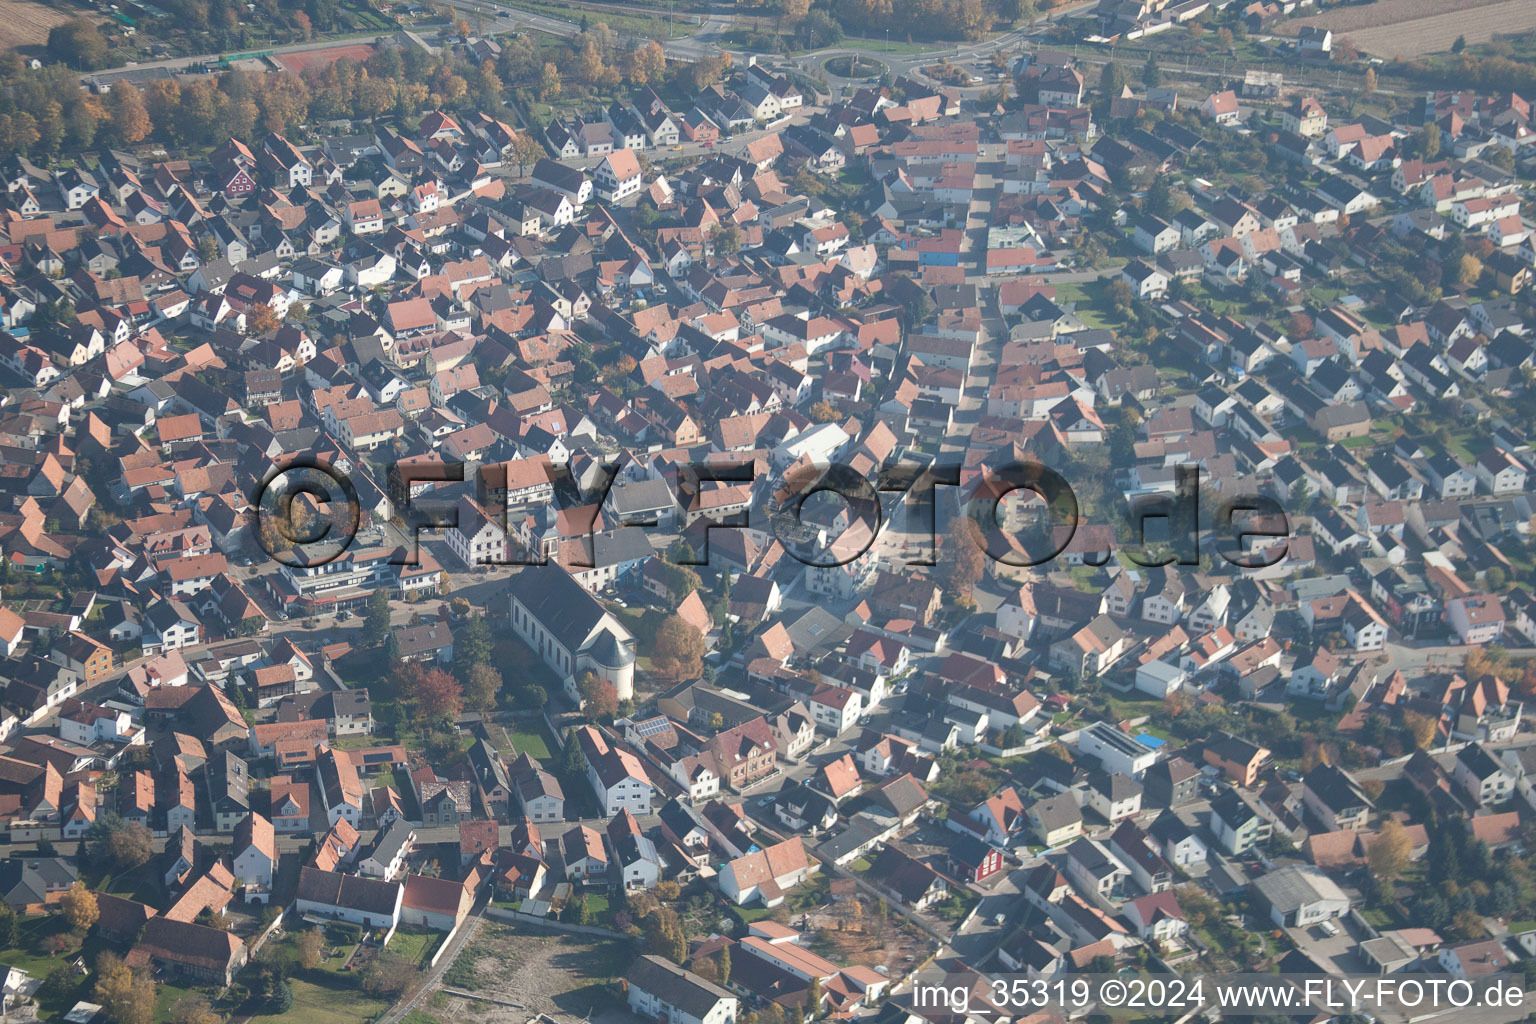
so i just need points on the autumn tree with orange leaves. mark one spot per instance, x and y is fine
(437, 695)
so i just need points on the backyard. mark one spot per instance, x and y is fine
(322, 999)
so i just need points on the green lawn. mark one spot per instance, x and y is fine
(1134, 708)
(600, 909)
(533, 742)
(416, 947)
(28, 954)
(325, 1004)
(139, 884)
(890, 45)
(751, 915)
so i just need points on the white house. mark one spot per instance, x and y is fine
(764, 875)
(616, 776)
(618, 176)
(369, 902)
(255, 856)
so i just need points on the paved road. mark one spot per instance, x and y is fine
(181, 63)
(493, 19)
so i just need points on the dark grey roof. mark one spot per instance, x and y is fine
(559, 603)
(682, 989)
(368, 895)
(610, 653)
(27, 880)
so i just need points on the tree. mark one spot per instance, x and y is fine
(280, 997)
(193, 1008)
(263, 319)
(723, 960)
(1390, 852)
(1459, 45)
(1151, 73)
(1467, 925)
(579, 911)
(474, 645)
(131, 846)
(127, 114)
(807, 182)
(376, 621)
(1420, 727)
(813, 998)
(549, 82)
(679, 650)
(1120, 295)
(128, 998)
(709, 70)
(79, 907)
(78, 43)
(590, 67)
(573, 762)
(963, 563)
(1369, 85)
(525, 150)
(309, 943)
(438, 695)
(599, 697)
(664, 935)
(390, 976)
(726, 239)
(1112, 81)
(647, 64)
(1345, 51)
(8, 926)
(1429, 141)
(1468, 269)
(482, 684)
(790, 12)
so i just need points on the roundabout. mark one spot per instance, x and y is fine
(850, 65)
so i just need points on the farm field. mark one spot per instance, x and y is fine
(26, 23)
(1411, 28)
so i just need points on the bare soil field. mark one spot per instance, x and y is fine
(26, 23)
(846, 935)
(1411, 28)
(535, 972)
